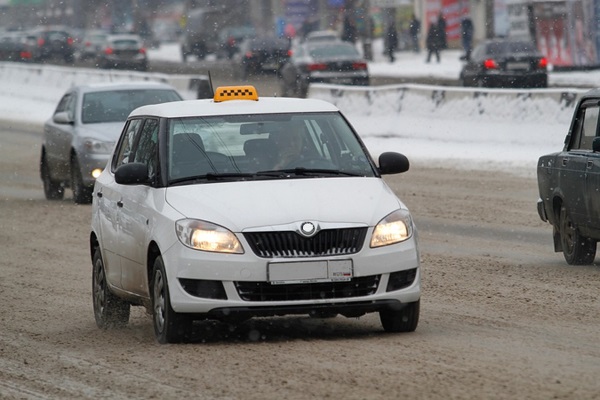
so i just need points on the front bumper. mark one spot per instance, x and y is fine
(222, 286)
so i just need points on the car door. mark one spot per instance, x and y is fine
(137, 213)
(109, 198)
(573, 163)
(59, 138)
(592, 179)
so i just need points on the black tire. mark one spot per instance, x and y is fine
(53, 190)
(577, 249)
(81, 194)
(169, 326)
(404, 318)
(109, 310)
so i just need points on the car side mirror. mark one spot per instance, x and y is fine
(393, 163)
(132, 174)
(62, 117)
(596, 144)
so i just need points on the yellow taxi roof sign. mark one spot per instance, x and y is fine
(243, 92)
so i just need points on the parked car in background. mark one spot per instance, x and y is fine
(238, 207)
(53, 43)
(505, 63)
(263, 54)
(91, 44)
(14, 46)
(81, 133)
(230, 39)
(569, 182)
(123, 51)
(334, 61)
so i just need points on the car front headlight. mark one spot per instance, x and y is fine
(206, 236)
(394, 228)
(95, 146)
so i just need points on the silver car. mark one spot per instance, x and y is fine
(80, 135)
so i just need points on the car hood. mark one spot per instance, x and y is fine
(106, 131)
(245, 205)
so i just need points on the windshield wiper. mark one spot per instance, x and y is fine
(307, 172)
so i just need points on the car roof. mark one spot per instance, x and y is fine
(108, 86)
(209, 107)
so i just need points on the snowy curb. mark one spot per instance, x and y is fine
(473, 103)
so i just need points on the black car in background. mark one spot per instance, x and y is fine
(505, 63)
(53, 43)
(14, 46)
(263, 54)
(331, 61)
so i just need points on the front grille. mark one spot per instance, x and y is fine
(329, 242)
(264, 291)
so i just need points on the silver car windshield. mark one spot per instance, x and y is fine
(259, 146)
(115, 105)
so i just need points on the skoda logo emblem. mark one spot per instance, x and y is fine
(307, 228)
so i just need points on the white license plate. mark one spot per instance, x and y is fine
(310, 271)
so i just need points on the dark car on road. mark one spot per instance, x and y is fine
(123, 51)
(334, 61)
(14, 46)
(54, 43)
(569, 185)
(505, 63)
(263, 54)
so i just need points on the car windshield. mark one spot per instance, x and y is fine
(262, 146)
(499, 48)
(115, 106)
(332, 51)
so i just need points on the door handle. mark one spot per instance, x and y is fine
(590, 164)
(99, 194)
(119, 203)
(565, 161)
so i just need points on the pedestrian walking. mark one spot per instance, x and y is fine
(466, 26)
(349, 30)
(391, 41)
(414, 29)
(434, 41)
(442, 26)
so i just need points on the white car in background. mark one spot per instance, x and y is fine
(239, 206)
(81, 134)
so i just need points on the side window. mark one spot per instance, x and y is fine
(146, 150)
(586, 129)
(125, 146)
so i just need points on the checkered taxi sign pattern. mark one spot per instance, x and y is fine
(235, 93)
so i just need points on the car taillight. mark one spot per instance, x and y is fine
(490, 64)
(543, 63)
(40, 42)
(108, 51)
(142, 51)
(26, 55)
(70, 41)
(359, 65)
(88, 44)
(249, 54)
(289, 53)
(317, 67)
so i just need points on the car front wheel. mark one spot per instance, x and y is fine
(577, 249)
(169, 326)
(52, 190)
(81, 194)
(109, 310)
(403, 318)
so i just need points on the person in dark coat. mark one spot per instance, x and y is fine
(466, 26)
(391, 41)
(414, 28)
(442, 26)
(349, 30)
(434, 41)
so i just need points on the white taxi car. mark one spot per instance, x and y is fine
(238, 206)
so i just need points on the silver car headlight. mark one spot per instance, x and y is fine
(394, 228)
(95, 146)
(206, 236)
